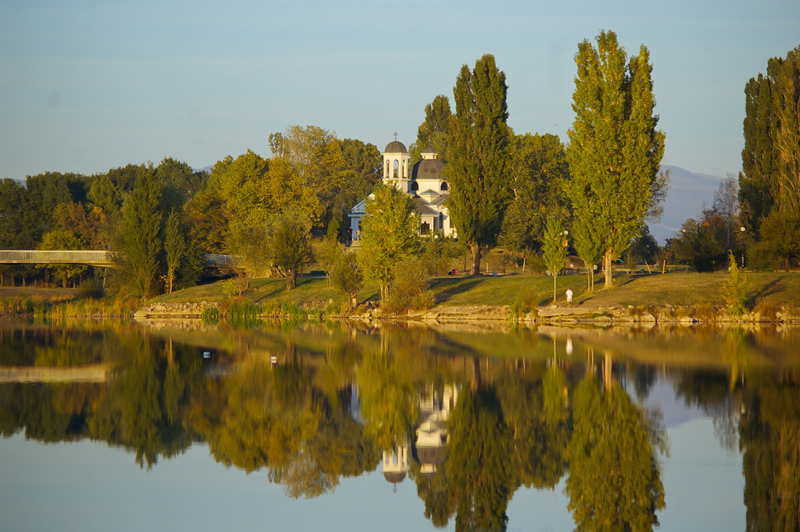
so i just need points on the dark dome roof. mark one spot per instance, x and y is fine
(395, 147)
(395, 477)
(427, 169)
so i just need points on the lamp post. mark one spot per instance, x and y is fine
(436, 253)
(741, 231)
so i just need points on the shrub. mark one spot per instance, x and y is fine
(210, 315)
(704, 312)
(409, 289)
(767, 310)
(734, 291)
(244, 315)
(91, 289)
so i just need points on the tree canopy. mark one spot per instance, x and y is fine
(615, 150)
(478, 163)
(388, 234)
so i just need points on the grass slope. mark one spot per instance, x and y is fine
(677, 289)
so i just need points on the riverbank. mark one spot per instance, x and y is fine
(683, 298)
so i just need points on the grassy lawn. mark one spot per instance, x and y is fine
(525, 289)
(677, 289)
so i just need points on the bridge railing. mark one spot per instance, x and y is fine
(59, 256)
(90, 257)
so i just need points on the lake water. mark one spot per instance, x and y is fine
(180, 426)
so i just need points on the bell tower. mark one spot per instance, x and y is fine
(396, 162)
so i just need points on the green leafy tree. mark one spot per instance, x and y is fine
(329, 251)
(289, 245)
(433, 132)
(589, 247)
(478, 164)
(388, 234)
(337, 172)
(539, 174)
(355, 168)
(555, 251)
(62, 239)
(786, 130)
(174, 247)
(770, 177)
(735, 291)
(137, 239)
(346, 275)
(409, 288)
(179, 183)
(615, 150)
(209, 230)
(14, 230)
(43, 193)
(758, 165)
(701, 243)
(780, 236)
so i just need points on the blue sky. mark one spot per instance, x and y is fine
(90, 85)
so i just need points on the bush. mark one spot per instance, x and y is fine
(767, 311)
(735, 289)
(409, 289)
(91, 289)
(245, 315)
(210, 315)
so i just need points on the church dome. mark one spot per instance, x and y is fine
(395, 147)
(427, 169)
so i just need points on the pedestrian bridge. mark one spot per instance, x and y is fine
(103, 259)
(29, 374)
(78, 256)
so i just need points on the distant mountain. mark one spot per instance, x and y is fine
(688, 192)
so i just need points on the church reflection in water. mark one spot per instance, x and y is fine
(430, 437)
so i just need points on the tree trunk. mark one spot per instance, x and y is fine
(476, 374)
(607, 265)
(555, 287)
(476, 259)
(291, 279)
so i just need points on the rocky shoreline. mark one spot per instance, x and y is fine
(552, 315)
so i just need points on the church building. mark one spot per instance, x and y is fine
(424, 182)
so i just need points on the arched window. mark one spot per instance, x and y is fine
(414, 186)
(444, 185)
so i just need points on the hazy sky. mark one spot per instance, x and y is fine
(90, 85)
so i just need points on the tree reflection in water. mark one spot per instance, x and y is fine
(614, 480)
(475, 429)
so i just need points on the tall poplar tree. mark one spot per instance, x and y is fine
(138, 237)
(478, 163)
(615, 149)
(756, 176)
(769, 184)
(434, 130)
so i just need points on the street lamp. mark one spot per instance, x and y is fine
(742, 230)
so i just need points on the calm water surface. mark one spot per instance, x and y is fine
(190, 427)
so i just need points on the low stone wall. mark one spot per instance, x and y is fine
(553, 315)
(667, 315)
(172, 310)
